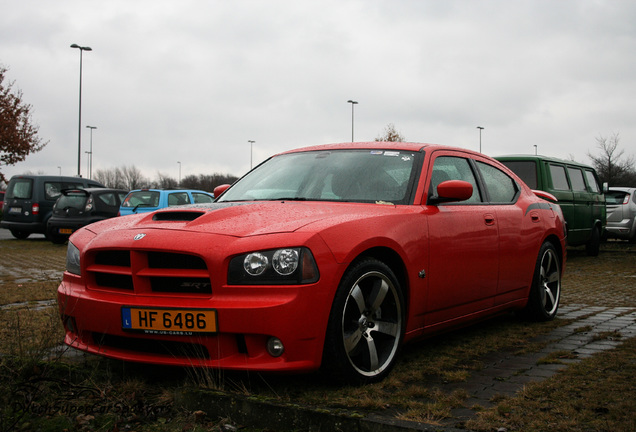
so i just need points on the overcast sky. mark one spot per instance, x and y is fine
(194, 81)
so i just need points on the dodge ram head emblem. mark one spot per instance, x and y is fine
(139, 236)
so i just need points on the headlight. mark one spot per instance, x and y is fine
(276, 266)
(73, 259)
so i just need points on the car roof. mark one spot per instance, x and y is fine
(525, 157)
(169, 190)
(377, 145)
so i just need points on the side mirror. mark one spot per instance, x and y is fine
(453, 190)
(220, 189)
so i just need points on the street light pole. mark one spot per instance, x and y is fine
(179, 174)
(251, 147)
(352, 102)
(480, 129)
(79, 127)
(90, 154)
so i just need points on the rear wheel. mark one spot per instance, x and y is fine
(545, 292)
(594, 244)
(366, 324)
(20, 235)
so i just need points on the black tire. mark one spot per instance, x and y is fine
(594, 243)
(545, 292)
(20, 235)
(366, 324)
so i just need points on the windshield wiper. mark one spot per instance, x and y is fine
(287, 199)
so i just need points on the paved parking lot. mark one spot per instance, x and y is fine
(599, 296)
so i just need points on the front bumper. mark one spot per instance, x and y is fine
(93, 323)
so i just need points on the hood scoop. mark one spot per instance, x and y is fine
(177, 216)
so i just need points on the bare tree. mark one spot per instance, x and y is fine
(164, 181)
(391, 134)
(110, 178)
(18, 134)
(611, 164)
(133, 178)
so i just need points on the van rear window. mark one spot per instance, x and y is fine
(20, 189)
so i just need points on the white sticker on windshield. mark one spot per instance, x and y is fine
(391, 153)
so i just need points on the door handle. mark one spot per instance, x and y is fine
(489, 219)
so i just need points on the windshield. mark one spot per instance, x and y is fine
(382, 176)
(65, 202)
(615, 197)
(142, 199)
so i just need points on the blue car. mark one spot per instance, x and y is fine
(148, 200)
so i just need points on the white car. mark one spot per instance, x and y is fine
(621, 213)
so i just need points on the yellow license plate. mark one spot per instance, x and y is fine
(168, 321)
(66, 231)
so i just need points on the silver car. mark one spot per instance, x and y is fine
(621, 213)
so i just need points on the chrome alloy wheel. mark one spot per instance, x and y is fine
(550, 281)
(372, 323)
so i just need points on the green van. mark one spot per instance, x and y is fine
(577, 189)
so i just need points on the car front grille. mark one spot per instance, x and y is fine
(148, 272)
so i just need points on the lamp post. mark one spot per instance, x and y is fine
(352, 102)
(179, 184)
(60, 169)
(251, 147)
(79, 127)
(480, 129)
(535, 149)
(90, 154)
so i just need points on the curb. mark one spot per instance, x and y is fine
(253, 412)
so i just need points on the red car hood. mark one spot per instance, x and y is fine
(248, 218)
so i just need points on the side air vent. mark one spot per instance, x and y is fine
(177, 216)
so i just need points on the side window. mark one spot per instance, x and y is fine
(178, 198)
(200, 198)
(108, 199)
(453, 168)
(559, 179)
(52, 190)
(576, 177)
(526, 170)
(591, 181)
(501, 188)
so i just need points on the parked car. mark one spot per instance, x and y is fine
(29, 201)
(329, 256)
(149, 200)
(621, 213)
(1, 201)
(577, 189)
(76, 208)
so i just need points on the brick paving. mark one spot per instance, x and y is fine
(506, 374)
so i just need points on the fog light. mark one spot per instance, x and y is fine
(275, 347)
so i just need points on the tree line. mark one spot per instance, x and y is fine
(130, 177)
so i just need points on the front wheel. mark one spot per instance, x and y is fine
(366, 324)
(545, 292)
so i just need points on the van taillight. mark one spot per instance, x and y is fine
(626, 199)
(35, 209)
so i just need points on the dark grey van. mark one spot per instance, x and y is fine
(577, 189)
(29, 201)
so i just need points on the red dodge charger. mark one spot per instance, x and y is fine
(330, 256)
